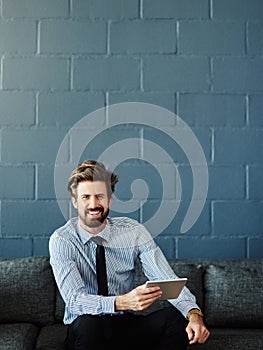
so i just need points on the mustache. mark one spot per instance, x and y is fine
(96, 209)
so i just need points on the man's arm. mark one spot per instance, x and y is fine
(70, 282)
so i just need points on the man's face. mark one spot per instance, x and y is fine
(92, 204)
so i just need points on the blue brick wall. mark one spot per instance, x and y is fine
(200, 59)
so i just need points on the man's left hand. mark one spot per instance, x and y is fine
(196, 329)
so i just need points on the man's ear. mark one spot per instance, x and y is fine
(110, 201)
(74, 202)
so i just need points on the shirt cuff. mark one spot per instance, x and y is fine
(108, 304)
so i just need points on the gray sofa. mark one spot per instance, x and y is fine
(229, 292)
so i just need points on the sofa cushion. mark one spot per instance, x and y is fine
(27, 292)
(231, 339)
(18, 336)
(234, 294)
(52, 337)
(60, 307)
(194, 273)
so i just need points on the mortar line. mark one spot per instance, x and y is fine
(107, 104)
(38, 38)
(247, 181)
(1, 72)
(71, 73)
(36, 181)
(70, 8)
(141, 9)
(212, 145)
(247, 121)
(1, 8)
(211, 9)
(108, 38)
(37, 108)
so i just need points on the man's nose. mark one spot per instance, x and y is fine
(93, 202)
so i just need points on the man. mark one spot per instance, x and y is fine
(96, 321)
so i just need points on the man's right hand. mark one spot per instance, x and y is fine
(137, 299)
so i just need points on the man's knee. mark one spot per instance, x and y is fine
(89, 331)
(174, 333)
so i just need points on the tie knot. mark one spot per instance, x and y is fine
(97, 240)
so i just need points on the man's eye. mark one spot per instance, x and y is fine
(100, 196)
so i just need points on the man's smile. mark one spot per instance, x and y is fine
(95, 213)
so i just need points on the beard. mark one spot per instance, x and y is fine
(95, 222)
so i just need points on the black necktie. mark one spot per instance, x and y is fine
(101, 270)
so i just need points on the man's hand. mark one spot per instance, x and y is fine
(196, 329)
(137, 299)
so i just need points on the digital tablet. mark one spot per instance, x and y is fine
(170, 288)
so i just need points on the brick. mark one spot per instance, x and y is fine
(238, 218)
(29, 215)
(40, 247)
(31, 145)
(24, 179)
(212, 248)
(45, 182)
(238, 146)
(237, 9)
(48, 186)
(17, 36)
(157, 215)
(238, 74)
(170, 217)
(35, 73)
(255, 188)
(17, 108)
(175, 73)
(211, 38)
(165, 100)
(225, 182)
(212, 109)
(167, 245)
(178, 143)
(160, 181)
(67, 108)
(106, 73)
(255, 110)
(176, 8)
(66, 36)
(141, 113)
(110, 9)
(143, 37)
(35, 8)
(132, 214)
(255, 38)
(15, 247)
(91, 144)
(255, 248)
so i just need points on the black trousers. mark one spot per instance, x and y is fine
(161, 330)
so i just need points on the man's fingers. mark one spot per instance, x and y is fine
(144, 297)
(190, 334)
(195, 338)
(198, 335)
(151, 292)
(204, 336)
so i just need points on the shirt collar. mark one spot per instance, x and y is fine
(86, 236)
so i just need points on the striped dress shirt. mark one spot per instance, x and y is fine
(73, 261)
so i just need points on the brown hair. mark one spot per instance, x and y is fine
(91, 170)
